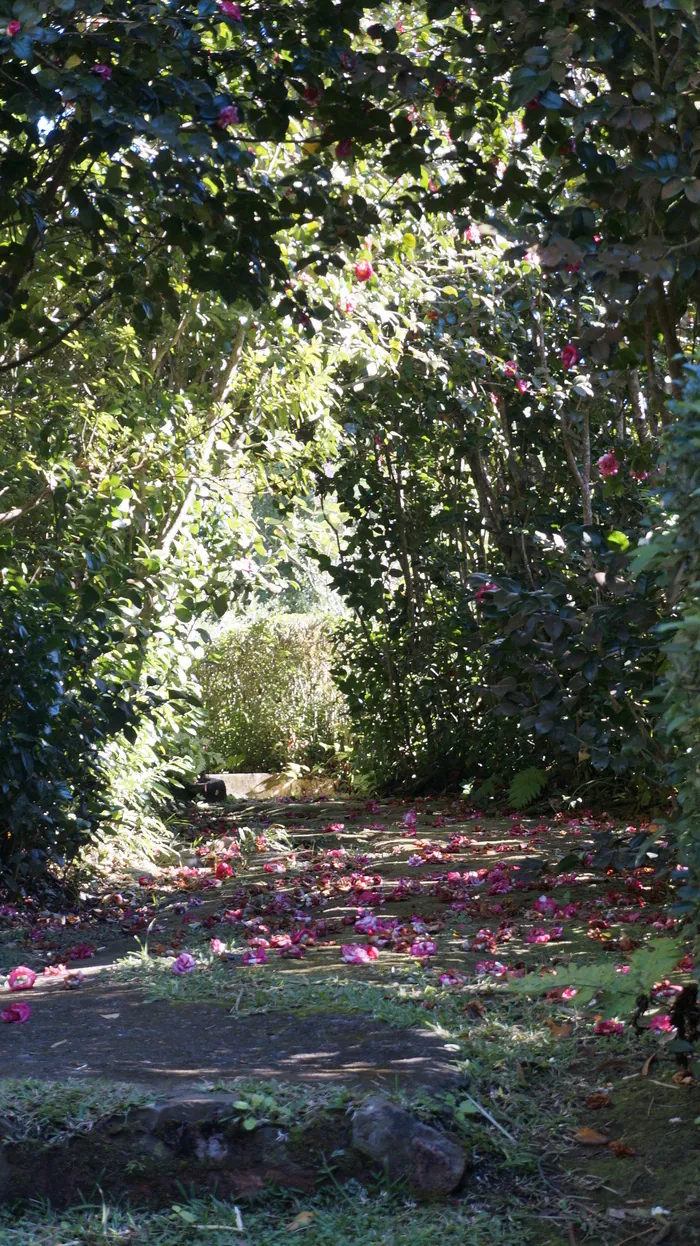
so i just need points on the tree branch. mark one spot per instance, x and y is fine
(45, 347)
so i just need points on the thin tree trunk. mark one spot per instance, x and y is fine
(220, 394)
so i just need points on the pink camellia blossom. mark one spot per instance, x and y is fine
(73, 980)
(410, 817)
(423, 947)
(511, 367)
(223, 870)
(13, 28)
(255, 956)
(639, 476)
(569, 356)
(312, 96)
(81, 951)
(55, 971)
(16, 1014)
(21, 979)
(349, 306)
(485, 589)
(364, 270)
(608, 464)
(451, 978)
(145, 880)
(494, 967)
(217, 946)
(522, 386)
(343, 149)
(609, 1027)
(102, 71)
(661, 1024)
(184, 963)
(356, 954)
(227, 116)
(472, 234)
(229, 9)
(537, 935)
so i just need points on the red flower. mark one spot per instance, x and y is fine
(312, 95)
(472, 234)
(511, 368)
(522, 386)
(485, 588)
(533, 103)
(609, 1027)
(21, 979)
(16, 1014)
(102, 71)
(569, 356)
(230, 10)
(356, 954)
(343, 149)
(13, 27)
(608, 464)
(364, 270)
(228, 116)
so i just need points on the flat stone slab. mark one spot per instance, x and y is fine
(115, 1032)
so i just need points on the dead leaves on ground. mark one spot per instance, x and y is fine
(300, 1221)
(593, 1137)
(598, 1100)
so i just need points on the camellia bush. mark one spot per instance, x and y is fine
(269, 698)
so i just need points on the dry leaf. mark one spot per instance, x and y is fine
(301, 1221)
(620, 1149)
(598, 1100)
(683, 1078)
(627, 944)
(647, 1064)
(590, 1137)
(559, 1031)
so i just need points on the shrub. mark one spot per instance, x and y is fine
(269, 696)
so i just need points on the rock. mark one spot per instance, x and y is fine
(190, 1111)
(426, 1158)
(212, 1152)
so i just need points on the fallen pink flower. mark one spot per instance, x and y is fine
(21, 979)
(184, 963)
(255, 956)
(16, 1014)
(661, 1024)
(423, 947)
(608, 1027)
(537, 935)
(81, 951)
(356, 954)
(218, 947)
(55, 971)
(451, 978)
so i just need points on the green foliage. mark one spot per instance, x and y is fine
(671, 548)
(604, 983)
(269, 697)
(525, 786)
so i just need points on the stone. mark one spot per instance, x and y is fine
(424, 1157)
(212, 1152)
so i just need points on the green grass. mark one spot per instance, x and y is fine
(54, 1111)
(346, 1216)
